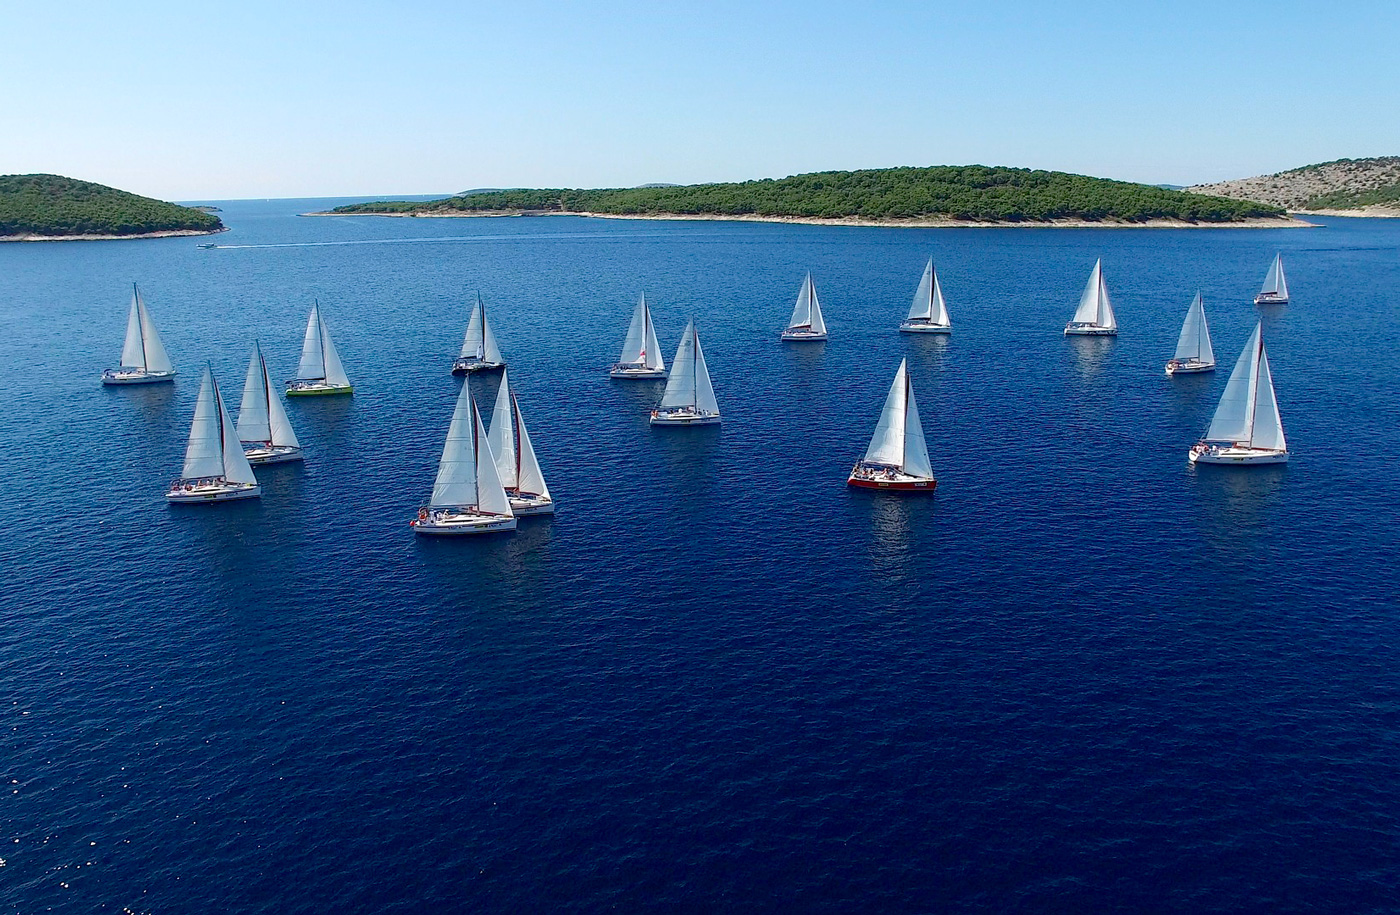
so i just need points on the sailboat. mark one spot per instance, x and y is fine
(898, 455)
(144, 360)
(928, 314)
(467, 496)
(641, 352)
(320, 371)
(1275, 288)
(689, 399)
(1246, 427)
(479, 350)
(1193, 351)
(516, 464)
(806, 323)
(1094, 316)
(215, 468)
(263, 428)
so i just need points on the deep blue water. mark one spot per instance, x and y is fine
(1081, 677)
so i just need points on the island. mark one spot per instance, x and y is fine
(1342, 187)
(913, 196)
(54, 208)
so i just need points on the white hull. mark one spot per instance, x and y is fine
(1089, 330)
(261, 453)
(467, 366)
(683, 417)
(1188, 367)
(523, 504)
(135, 376)
(188, 492)
(450, 522)
(633, 370)
(1234, 455)
(924, 327)
(802, 335)
(1265, 298)
(312, 388)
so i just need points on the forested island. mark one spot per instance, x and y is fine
(1348, 187)
(972, 194)
(40, 207)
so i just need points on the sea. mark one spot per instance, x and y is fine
(1082, 676)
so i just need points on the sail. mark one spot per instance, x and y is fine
(1268, 425)
(922, 306)
(1094, 306)
(887, 444)
(335, 372)
(313, 359)
(704, 392)
(815, 318)
(808, 311)
(254, 413)
(489, 347)
(940, 307)
(680, 386)
(1234, 416)
(531, 478)
(1194, 342)
(204, 455)
(651, 352)
(916, 462)
(282, 433)
(1274, 281)
(156, 358)
(490, 494)
(234, 463)
(133, 348)
(502, 436)
(456, 476)
(473, 345)
(635, 345)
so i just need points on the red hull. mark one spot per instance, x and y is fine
(909, 486)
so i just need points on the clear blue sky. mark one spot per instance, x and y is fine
(251, 99)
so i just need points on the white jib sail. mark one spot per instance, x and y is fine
(1094, 306)
(817, 321)
(922, 306)
(634, 348)
(490, 494)
(940, 307)
(680, 386)
(502, 436)
(456, 476)
(916, 462)
(651, 353)
(1234, 415)
(156, 358)
(204, 455)
(335, 372)
(1194, 342)
(1274, 281)
(802, 311)
(531, 478)
(236, 468)
(704, 392)
(133, 348)
(887, 444)
(261, 416)
(1268, 425)
(313, 359)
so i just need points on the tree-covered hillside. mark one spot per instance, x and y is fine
(972, 192)
(53, 205)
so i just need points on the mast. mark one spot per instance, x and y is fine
(141, 319)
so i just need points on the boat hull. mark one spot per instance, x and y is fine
(1188, 367)
(1234, 455)
(924, 327)
(261, 454)
(220, 491)
(628, 370)
(683, 418)
(526, 504)
(864, 476)
(317, 389)
(460, 524)
(470, 366)
(802, 336)
(1267, 298)
(1089, 330)
(117, 376)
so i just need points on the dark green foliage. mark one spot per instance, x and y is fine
(1347, 200)
(972, 192)
(53, 205)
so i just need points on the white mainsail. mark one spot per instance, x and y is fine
(1194, 342)
(213, 449)
(501, 438)
(689, 383)
(899, 435)
(261, 416)
(490, 494)
(1094, 306)
(1248, 410)
(456, 476)
(319, 359)
(480, 342)
(641, 346)
(142, 347)
(928, 301)
(1275, 283)
(808, 310)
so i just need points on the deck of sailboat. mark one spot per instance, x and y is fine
(135, 376)
(261, 453)
(1235, 454)
(883, 476)
(317, 389)
(470, 366)
(683, 417)
(1265, 298)
(802, 335)
(458, 521)
(635, 370)
(1074, 329)
(924, 327)
(1188, 366)
(210, 490)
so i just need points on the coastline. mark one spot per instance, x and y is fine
(1374, 211)
(164, 233)
(940, 222)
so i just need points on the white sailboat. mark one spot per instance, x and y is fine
(320, 371)
(516, 464)
(263, 428)
(806, 323)
(467, 495)
(144, 360)
(479, 350)
(1246, 427)
(1193, 350)
(215, 467)
(1275, 288)
(641, 351)
(689, 399)
(928, 314)
(1094, 317)
(897, 458)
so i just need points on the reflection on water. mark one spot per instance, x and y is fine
(805, 355)
(892, 535)
(1237, 501)
(637, 395)
(931, 351)
(1090, 354)
(1192, 396)
(489, 569)
(151, 402)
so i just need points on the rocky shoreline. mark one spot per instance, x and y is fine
(167, 233)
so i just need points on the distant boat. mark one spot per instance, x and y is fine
(806, 323)
(215, 467)
(1275, 288)
(1094, 316)
(320, 371)
(208, 245)
(641, 351)
(263, 428)
(467, 496)
(479, 350)
(1246, 427)
(1193, 351)
(928, 314)
(689, 399)
(516, 464)
(144, 360)
(897, 458)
